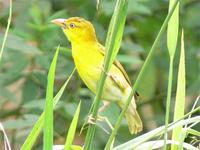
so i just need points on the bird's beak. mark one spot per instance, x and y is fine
(60, 22)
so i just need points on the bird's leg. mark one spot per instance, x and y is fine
(103, 118)
(91, 120)
(102, 108)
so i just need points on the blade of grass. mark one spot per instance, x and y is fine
(172, 36)
(34, 133)
(6, 141)
(180, 95)
(168, 101)
(193, 107)
(186, 129)
(157, 132)
(48, 110)
(72, 129)
(194, 132)
(115, 32)
(160, 143)
(140, 76)
(7, 29)
(172, 29)
(61, 147)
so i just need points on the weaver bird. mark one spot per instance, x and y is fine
(88, 55)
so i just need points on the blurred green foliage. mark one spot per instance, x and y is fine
(32, 41)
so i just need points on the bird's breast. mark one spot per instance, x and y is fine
(88, 62)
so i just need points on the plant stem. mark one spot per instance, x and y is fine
(170, 79)
(140, 76)
(7, 28)
(117, 21)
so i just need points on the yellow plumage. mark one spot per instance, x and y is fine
(88, 57)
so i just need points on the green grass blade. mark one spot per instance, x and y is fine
(141, 74)
(117, 24)
(48, 110)
(72, 129)
(180, 95)
(30, 140)
(5, 137)
(157, 132)
(115, 31)
(194, 132)
(7, 29)
(61, 147)
(172, 36)
(168, 101)
(158, 144)
(172, 29)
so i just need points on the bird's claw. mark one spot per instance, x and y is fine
(91, 120)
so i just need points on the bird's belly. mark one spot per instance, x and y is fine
(90, 74)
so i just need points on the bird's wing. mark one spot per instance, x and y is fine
(118, 65)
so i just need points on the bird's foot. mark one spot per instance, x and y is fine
(91, 120)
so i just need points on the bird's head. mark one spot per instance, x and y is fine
(77, 29)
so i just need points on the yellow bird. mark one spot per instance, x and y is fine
(88, 55)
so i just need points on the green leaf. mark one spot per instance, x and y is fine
(6, 32)
(72, 129)
(172, 30)
(194, 132)
(134, 143)
(139, 8)
(48, 111)
(115, 31)
(34, 133)
(34, 104)
(18, 44)
(27, 121)
(158, 144)
(6, 95)
(180, 95)
(172, 36)
(29, 90)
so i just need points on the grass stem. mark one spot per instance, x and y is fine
(7, 29)
(141, 74)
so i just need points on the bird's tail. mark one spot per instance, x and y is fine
(132, 117)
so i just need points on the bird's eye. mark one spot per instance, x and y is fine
(72, 25)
